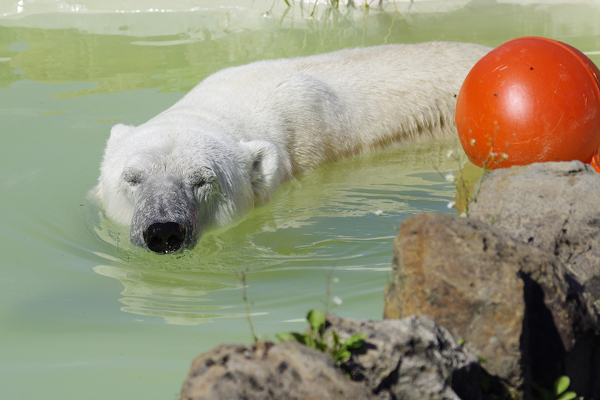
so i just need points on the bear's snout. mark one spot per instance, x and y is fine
(164, 218)
(164, 237)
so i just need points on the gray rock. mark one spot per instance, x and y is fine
(556, 207)
(552, 206)
(413, 358)
(264, 371)
(513, 304)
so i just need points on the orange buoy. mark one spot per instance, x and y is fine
(530, 100)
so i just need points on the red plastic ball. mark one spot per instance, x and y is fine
(530, 100)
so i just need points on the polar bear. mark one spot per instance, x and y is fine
(230, 142)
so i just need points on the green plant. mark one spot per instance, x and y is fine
(329, 281)
(315, 338)
(247, 304)
(559, 391)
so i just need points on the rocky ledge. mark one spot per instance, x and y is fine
(484, 307)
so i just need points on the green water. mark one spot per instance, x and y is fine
(83, 314)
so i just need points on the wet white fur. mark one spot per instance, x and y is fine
(253, 127)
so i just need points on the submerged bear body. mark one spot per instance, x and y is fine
(232, 140)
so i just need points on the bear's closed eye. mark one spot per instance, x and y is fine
(199, 183)
(201, 178)
(133, 178)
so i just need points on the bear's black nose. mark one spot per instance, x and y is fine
(164, 237)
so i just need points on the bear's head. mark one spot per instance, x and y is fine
(171, 184)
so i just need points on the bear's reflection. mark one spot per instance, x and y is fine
(178, 300)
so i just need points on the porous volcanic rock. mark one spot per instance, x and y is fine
(413, 358)
(264, 371)
(553, 206)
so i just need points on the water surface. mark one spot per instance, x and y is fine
(83, 314)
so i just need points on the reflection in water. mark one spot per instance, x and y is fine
(171, 287)
(116, 52)
(178, 298)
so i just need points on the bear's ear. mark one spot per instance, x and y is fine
(263, 164)
(120, 130)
